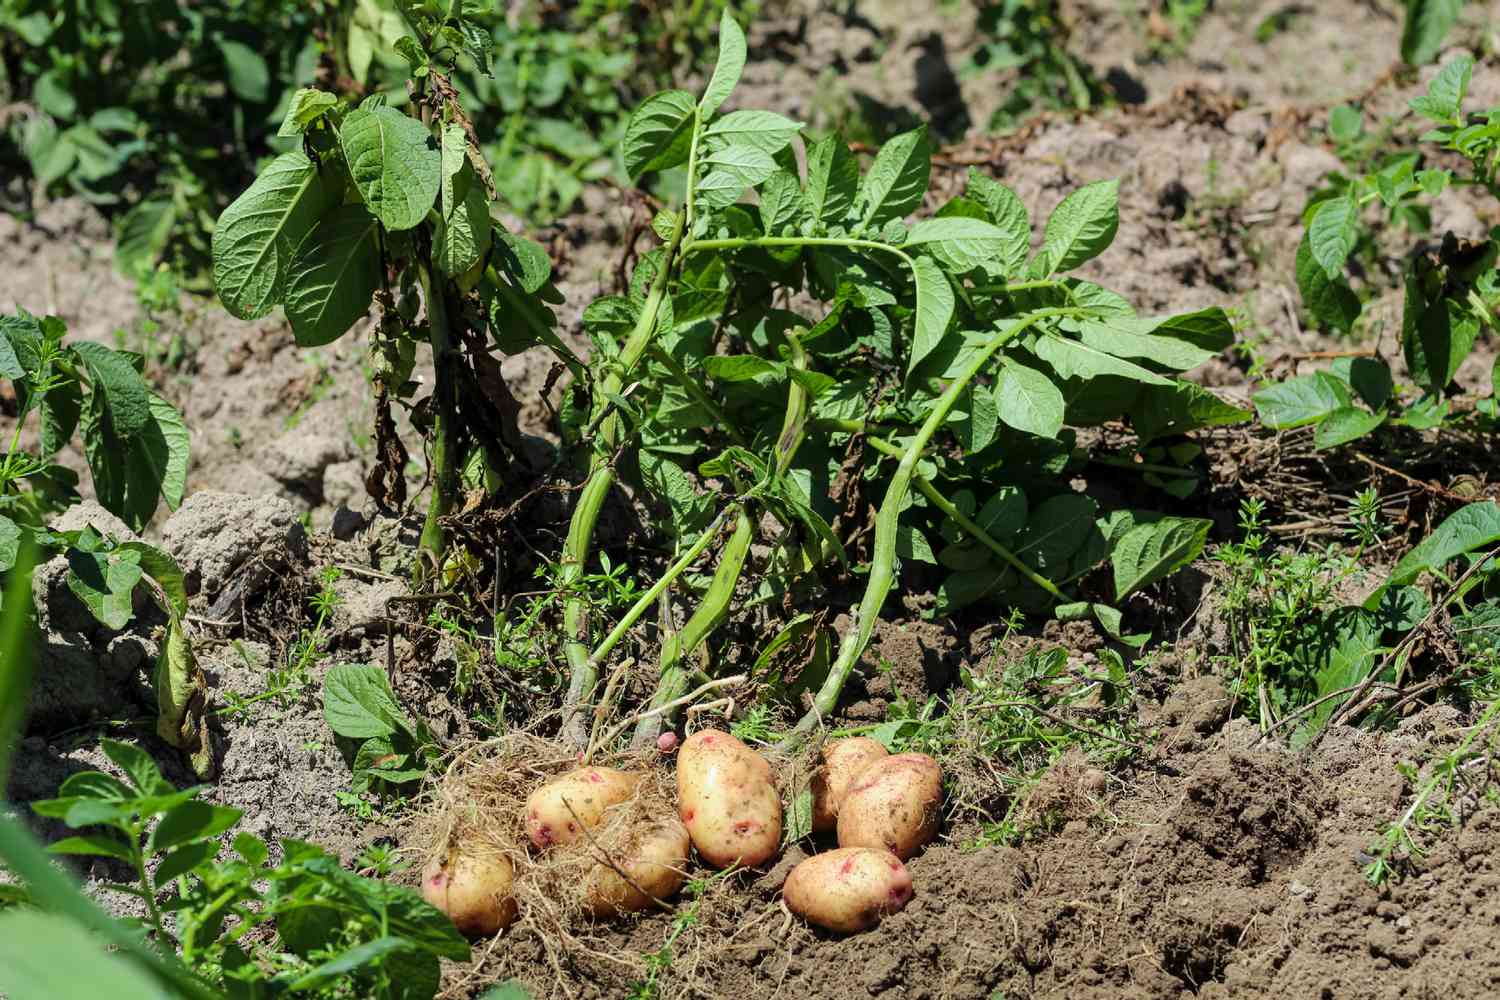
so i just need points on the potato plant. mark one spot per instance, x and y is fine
(389, 203)
(817, 343)
(136, 447)
(1452, 289)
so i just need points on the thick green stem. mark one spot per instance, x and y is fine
(644, 602)
(707, 617)
(583, 672)
(714, 606)
(883, 560)
(444, 468)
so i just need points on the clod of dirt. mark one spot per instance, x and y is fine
(213, 534)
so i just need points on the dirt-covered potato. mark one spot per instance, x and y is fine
(474, 890)
(849, 889)
(588, 790)
(842, 762)
(895, 803)
(727, 800)
(653, 856)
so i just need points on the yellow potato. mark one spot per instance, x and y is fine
(842, 762)
(727, 800)
(896, 803)
(849, 889)
(588, 790)
(475, 891)
(654, 857)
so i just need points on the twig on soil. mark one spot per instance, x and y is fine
(1433, 488)
(605, 857)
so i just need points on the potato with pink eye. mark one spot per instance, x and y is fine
(652, 863)
(896, 803)
(727, 800)
(589, 791)
(475, 891)
(848, 890)
(843, 760)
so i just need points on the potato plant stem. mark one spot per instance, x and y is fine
(883, 560)
(444, 467)
(714, 606)
(583, 669)
(644, 602)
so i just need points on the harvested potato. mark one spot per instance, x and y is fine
(842, 762)
(474, 890)
(727, 800)
(588, 790)
(654, 858)
(895, 803)
(849, 889)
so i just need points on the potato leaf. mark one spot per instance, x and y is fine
(1154, 550)
(257, 235)
(897, 181)
(395, 164)
(1080, 228)
(1465, 530)
(935, 304)
(727, 70)
(659, 133)
(334, 276)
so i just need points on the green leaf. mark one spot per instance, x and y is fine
(1466, 529)
(184, 859)
(781, 203)
(1300, 401)
(1345, 424)
(104, 845)
(191, 821)
(139, 767)
(1369, 377)
(181, 693)
(1443, 102)
(1057, 528)
(395, 165)
(935, 304)
(727, 69)
(912, 544)
(358, 702)
(258, 234)
(126, 397)
(161, 567)
(1330, 300)
(961, 244)
(748, 165)
(525, 261)
(832, 180)
(105, 582)
(248, 76)
(1029, 401)
(763, 130)
(1332, 232)
(511, 989)
(361, 956)
(10, 543)
(1435, 337)
(1180, 408)
(1152, 551)
(144, 233)
(659, 133)
(1081, 227)
(305, 107)
(1008, 213)
(1072, 359)
(1344, 123)
(1137, 337)
(897, 181)
(464, 237)
(739, 367)
(334, 276)
(48, 955)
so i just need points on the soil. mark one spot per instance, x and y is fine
(1211, 866)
